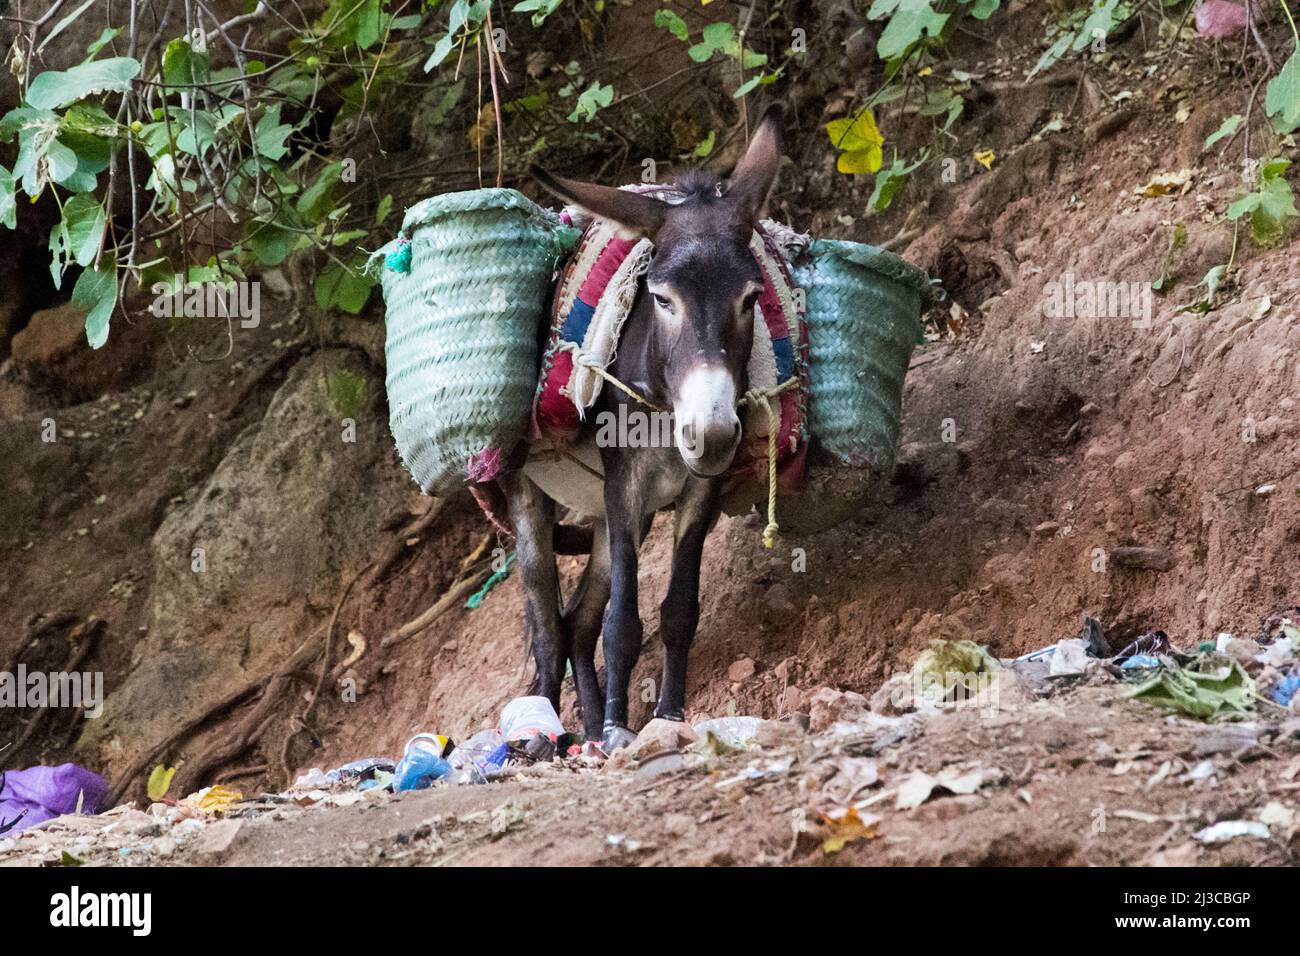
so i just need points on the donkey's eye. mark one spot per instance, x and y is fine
(663, 302)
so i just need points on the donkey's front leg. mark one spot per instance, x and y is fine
(679, 615)
(624, 511)
(533, 515)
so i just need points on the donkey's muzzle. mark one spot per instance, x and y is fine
(708, 448)
(706, 426)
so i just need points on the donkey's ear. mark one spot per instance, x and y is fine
(755, 174)
(638, 213)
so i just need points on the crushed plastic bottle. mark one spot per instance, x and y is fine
(422, 763)
(486, 750)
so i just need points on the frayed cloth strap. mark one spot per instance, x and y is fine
(601, 342)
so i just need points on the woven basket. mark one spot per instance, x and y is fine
(864, 308)
(465, 285)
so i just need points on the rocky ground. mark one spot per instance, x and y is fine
(1032, 770)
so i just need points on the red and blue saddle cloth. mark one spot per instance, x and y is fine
(593, 299)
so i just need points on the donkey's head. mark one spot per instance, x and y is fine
(703, 283)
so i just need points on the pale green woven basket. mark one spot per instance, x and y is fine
(864, 318)
(465, 285)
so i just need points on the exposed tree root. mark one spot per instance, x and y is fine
(455, 594)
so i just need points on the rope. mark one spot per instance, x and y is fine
(497, 577)
(589, 361)
(761, 395)
(758, 396)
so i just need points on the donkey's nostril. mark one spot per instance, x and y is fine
(735, 431)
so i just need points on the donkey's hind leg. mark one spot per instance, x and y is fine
(533, 515)
(582, 619)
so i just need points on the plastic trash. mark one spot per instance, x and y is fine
(382, 780)
(1285, 690)
(1140, 662)
(526, 717)
(1037, 655)
(422, 763)
(366, 767)
(1278, 654)
(1231, 830)
(486, 750)
(734, 731)
(1071, 658)
(37, 794)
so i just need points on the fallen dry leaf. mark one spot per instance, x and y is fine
(1164, 183)
(846, 827)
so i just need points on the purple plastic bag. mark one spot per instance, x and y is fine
(49, 792)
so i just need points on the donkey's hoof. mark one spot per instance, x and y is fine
(617, 737)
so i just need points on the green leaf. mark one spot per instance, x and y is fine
(318, 198)
(24, 117)
(591, 101)
(271, 244)
(83, 217)
(1226, 128)
(463, 13)
(983, 9)
(888, 183)
(1282, 95)
(668, 20)
(64, 24)
(362, 26)
(705, 146)
(270, 134)
(748, 85)
(8, 200)
(108, 35)
(941, 101)
(909, 21)
(1103, 18)
(1271, 206)
(96, 292)
(340, 287)
(346, 391)
(1212, 282)
(719, 35)
(384, 208)
(55, 89)
(181, 65)
(160, 781)
(441, 50)
(1054, 53)
(61, 162)
(540, 9)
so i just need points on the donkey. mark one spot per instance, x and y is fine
(685, 347)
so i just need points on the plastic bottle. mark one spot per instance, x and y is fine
(421, 764)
